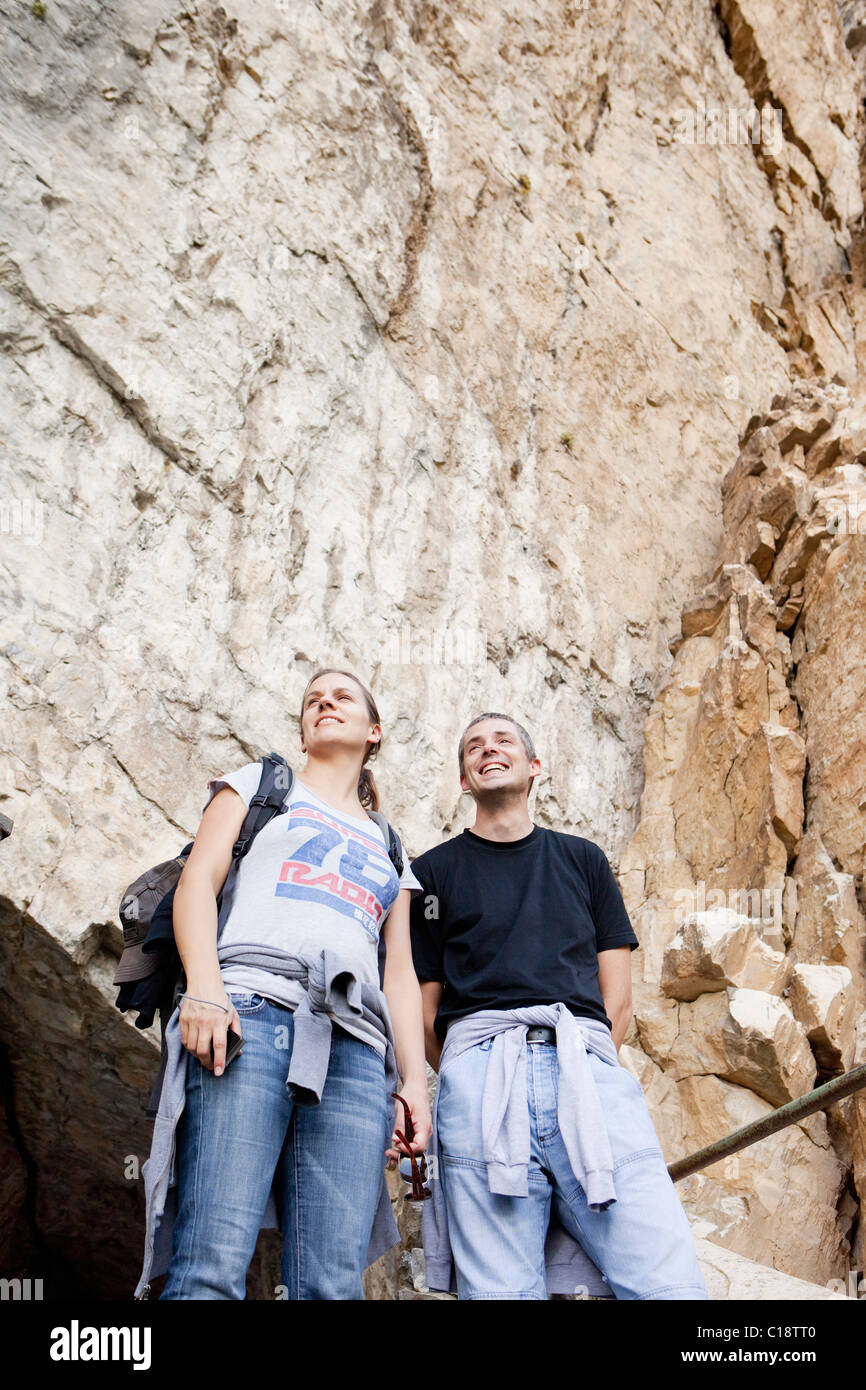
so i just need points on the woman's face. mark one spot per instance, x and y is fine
(335, 715)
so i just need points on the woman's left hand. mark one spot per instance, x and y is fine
(418, 1101)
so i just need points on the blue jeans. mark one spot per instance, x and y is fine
(241, 1130)
(642, 1243)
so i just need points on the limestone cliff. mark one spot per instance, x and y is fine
(463, 345)
(745, 875)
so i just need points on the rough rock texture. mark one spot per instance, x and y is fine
(746, 871)
(746, 1036)
(421, 338)
(821, 997)
(714, 949)
(729, 1276)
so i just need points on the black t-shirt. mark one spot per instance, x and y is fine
(507, 924)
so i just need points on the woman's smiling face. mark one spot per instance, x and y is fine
(335, 714)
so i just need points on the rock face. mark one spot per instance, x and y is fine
(746, 1036)
(729, 1276)
(465, 347)
(821, 997)
(752, 753)
(714, 949)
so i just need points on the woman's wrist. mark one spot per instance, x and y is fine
(210, 1003)
(206, 988)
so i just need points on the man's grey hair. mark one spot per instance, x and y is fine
(493, 714)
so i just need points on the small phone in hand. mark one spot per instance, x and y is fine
(234, 1043)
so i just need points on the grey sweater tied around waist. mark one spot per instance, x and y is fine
(506, 1132)
(333, 994)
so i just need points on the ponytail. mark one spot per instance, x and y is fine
(367, 792)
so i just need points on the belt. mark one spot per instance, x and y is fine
(541, 1035)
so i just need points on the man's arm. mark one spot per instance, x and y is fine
(614, 981)
(431, 998)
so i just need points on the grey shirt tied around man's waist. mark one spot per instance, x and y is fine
(506, 1132)
(333, 994)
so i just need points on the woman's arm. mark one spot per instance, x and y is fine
(403, 994)
(195, 929)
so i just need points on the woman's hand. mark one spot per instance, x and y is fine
(205, 1024)
(418, 1101)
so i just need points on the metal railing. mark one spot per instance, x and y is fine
(789, 1114)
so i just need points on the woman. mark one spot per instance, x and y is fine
(299, 922)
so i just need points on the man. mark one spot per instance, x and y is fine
(544, 1151)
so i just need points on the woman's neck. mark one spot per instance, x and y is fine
(335, 781)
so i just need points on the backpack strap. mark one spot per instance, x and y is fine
(275, 783)
(395, 854)
(392, 840)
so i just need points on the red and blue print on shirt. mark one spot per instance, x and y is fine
(338, 866)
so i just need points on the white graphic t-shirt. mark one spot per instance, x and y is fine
(313, 878)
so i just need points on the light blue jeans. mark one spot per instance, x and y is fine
(642, 1243)
(240, 1130)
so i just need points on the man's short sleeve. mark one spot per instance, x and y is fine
(612, 924)
(424, 925)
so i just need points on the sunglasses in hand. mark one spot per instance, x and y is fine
(403, 1141)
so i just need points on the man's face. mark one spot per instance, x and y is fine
(495, 764)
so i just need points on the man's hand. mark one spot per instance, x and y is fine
(431, 998)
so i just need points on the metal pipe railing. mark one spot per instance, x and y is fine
(789, 1114)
